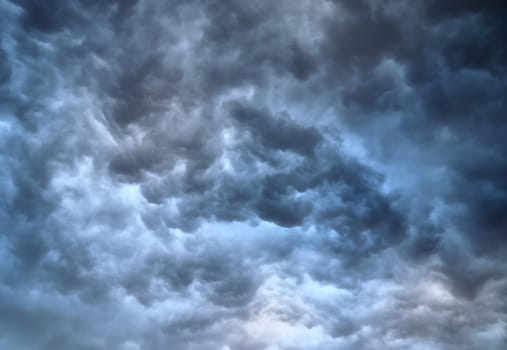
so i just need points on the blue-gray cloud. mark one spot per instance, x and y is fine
(267, 175)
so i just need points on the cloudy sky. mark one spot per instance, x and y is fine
(253, 175)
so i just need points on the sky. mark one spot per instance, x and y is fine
(253, 175)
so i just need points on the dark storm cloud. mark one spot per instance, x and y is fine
(362, 39)
(229, 174)
(47, 16)
(258, 41)
(283, 195)
(277, 133)
(459, 91)
(447, 96)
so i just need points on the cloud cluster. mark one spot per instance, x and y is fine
(253, 175)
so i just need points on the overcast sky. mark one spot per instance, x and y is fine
(253, 175)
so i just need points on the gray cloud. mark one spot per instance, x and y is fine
(268, 175)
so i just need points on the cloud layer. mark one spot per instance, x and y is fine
(253, 175)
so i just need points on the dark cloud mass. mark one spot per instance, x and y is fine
(253, 175)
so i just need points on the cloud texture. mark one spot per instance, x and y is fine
(288, 175)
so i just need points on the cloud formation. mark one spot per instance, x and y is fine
(253, 175)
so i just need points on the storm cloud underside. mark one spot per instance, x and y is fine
(253, 175)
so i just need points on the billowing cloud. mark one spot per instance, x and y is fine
(253, 175)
